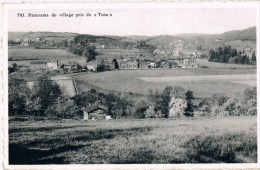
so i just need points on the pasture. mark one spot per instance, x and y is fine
(24, 54)
(118, 53)
(182, 140)
(203, 82)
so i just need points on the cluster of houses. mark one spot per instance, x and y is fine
(174, 48)
(134, 64)
(35, 42)
(40, 65)
(247, 51)
(121, 64)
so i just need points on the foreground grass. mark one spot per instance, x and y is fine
(204, 140)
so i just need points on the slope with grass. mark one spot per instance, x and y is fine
(132, 81)
(187, 140)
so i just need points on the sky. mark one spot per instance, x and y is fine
(135, 21)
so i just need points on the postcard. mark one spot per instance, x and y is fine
(130, 85)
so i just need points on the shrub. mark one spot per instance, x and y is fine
(177, 107)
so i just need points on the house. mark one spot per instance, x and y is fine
(92, 65)
(189, 63)
(127, 64)
(192, 55)
(39, 65)
(53, 64)
(144, 64)
(96, 113)
(248, 52)
(152, 65)
(164, 64)
(73, 65)
(173, 63)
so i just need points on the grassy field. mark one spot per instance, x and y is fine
(41, 54)
(118, 53)
(194, 140)
(204, 62)
(132, 81)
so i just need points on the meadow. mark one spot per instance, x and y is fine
(137, 81)
(24, 54)
(181, 140)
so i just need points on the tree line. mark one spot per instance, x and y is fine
(227, 54)
(46, 99)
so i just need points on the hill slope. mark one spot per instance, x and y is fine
(237, 39)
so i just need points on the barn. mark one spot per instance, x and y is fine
(96, 113)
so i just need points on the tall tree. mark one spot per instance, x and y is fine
(89, 52)
(18, 94)
(190, 107)
(253, 59)
(48, 91)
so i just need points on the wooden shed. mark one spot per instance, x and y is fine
(96, 112)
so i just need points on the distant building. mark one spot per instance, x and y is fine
(144, 64)
(96, 113)
(152, 65)
(192, 55)
(164, 64)
(127, 64)
(189, 63)
(92, 65)
(248, 52)
(173, 63)
(39, 65)
(73, 65)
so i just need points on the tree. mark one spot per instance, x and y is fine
(141, 107)
(14, 66)
(18, 94)
(62, 108)
(150, 112)
(48, 91)
(165, 99)
(89, 52)
(190, 107)
(250, 93)
(177, 91)
(212, 55)
(253, 59)
(177, 107)
(33, 106)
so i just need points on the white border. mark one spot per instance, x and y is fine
(111, 4)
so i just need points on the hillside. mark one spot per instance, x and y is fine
(33, 35)
(237, 39)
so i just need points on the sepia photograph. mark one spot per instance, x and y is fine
(152, 83)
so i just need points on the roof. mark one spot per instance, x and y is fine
(93, 108)
(38, 62)
(145, 62)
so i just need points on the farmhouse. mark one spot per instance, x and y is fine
(38, 65)
(127, 64)
(73, 65)
(152, 65)
(173, 63)
(92, 65)
(96, 113)
(144, 64)
(189, 63)
(164, 64)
